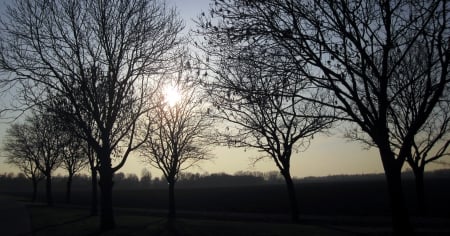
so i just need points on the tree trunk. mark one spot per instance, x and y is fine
(106, 210)
(171, 228)
(48, 189)
(69, 188)
(392, 169)
(107, 221)
(35, 186)
(420, 190)
(94, 194)
(172, 211)
(292, 196)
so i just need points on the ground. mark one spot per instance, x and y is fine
(76, 221)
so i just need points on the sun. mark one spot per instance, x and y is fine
(172, 95)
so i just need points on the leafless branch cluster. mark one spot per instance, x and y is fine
(384, 64)
(94, 64)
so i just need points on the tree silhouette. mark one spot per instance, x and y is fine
(429, 145)
(45, 138)
(256, 91)
(432, 140)
(80, 153)
(38, 140)
(74, 159)
(20, 154)
(178, 138)
(355, 50)
(98, 57)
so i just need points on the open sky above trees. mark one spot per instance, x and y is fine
(327, 155)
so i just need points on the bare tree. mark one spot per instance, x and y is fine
(429, 145)
(45, 136)
(100, 58)
(74, 159)
(16, 146)
(38, 140)
(432, 140)
(353, 49)
(89, 152)
(178, 138)
(257, 94)
(80, 153)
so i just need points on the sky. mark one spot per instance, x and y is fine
(329, 154)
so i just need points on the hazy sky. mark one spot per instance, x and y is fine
(327, 155)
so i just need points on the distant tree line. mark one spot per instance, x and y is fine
(18, 182)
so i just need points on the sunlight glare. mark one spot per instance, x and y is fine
(172, 95)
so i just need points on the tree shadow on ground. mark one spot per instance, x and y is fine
(68, 222)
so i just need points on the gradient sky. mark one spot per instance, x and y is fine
(327, 155)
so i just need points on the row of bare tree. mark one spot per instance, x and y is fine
(97, 69)
(270, 75)
(39, 146)
(284, 70)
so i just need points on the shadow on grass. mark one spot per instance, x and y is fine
(59, 220)
(69, 221)
(59, 224)
(51, 221)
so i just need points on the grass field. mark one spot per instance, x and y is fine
(69, 221)
(346, 198)
(341, 208)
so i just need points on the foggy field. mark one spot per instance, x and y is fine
(348, 206)
(348, 197)
(356, 198)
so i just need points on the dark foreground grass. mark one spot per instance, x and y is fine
(70, 221)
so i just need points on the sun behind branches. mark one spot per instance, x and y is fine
(172, 95)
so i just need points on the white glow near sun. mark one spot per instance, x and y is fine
(172, 95)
